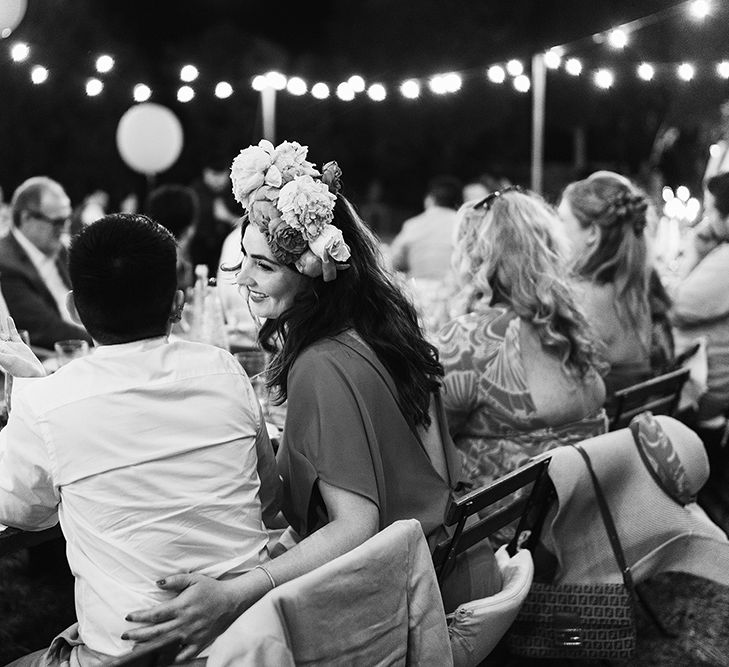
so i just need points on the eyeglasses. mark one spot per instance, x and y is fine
(488, 201)
(56, 222)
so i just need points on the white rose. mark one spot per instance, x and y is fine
(330, 243)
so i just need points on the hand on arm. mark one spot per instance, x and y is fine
(206, 607)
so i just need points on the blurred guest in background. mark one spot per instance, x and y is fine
(33, 263)
(423, 247)
(217, 213)
(176, 207)
(520, 368)
(605, 217)
(482, 186)
(152, 454)
(701, 301)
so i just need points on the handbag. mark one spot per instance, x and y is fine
(581, 621)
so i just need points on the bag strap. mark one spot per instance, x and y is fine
(607, 519)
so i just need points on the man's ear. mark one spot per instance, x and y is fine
(71, 308)
(177, 305)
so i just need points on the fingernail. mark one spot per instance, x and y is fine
(125, 636)
(161, 582)
(128, 617)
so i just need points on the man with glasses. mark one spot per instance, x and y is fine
(33, 263)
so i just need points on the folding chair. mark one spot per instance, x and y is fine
(459, 510)
(660, 395)
(159, 653)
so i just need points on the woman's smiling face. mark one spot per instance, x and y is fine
(271, 286)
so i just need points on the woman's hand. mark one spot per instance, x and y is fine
(16, 358)
(204, 609)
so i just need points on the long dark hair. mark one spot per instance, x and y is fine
(364, 298)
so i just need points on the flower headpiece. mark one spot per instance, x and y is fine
(292, 204)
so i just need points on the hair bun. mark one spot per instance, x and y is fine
(628, 208)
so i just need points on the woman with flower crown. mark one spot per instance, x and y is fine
(605, 216)
(365, 441)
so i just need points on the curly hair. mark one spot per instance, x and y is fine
(620, 212)
(516, 251)
(365, 298)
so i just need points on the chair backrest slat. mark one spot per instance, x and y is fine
(459, 510)
(660, 395)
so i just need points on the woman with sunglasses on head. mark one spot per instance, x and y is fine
(364, 441)
(521, 370)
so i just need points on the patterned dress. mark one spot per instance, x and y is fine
(491, 414)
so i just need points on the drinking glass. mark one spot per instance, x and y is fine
(68, 350)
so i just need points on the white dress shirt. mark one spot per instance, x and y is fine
(147, 453)
(48, 271)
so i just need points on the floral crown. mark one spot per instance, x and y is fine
(292, 204)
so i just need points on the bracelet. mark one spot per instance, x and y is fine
(268, 574)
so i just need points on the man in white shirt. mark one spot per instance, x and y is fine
(33, 263)
(424, 246)
(152, 454)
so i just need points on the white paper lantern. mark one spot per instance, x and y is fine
(149, 138)
(11, 13)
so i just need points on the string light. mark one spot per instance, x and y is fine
(296, 86)
(618, 38)
(38, 74)
(185, 94)
(573, 67)
(377, 92)
(514, 67)
(522, 83)
(320, 91)
(104, 64)
(19, 52)
(604, 78)
(259, 82)
(686, 71)
(188, 74)
(94, 87)
(223, 90)
(142, 92)
(699, 9)
(357, 83)
(276, 80)
(646, 71)
(496, 74)
(722, 69)
(410, 89)
(553, 58)
(345, 92)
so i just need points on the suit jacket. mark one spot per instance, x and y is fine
(30, 302)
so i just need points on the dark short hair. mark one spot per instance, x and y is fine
(173, 206)
(719, 187)
(446, 191)
(123, 277)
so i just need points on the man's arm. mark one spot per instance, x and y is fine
(28, 497)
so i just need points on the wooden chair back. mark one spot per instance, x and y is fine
(158, 653)
(461, 509)
(660, 395)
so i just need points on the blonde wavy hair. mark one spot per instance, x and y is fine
(516, 252)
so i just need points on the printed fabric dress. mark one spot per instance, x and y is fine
(491, 414)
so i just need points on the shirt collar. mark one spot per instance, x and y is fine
(36, 256)
(127, 348)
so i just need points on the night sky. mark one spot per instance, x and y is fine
(56, 129)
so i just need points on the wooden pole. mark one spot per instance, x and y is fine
(539, 85)
(268, 113)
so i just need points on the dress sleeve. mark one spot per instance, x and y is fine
(460, 381)
(328, 435)
(28, 497)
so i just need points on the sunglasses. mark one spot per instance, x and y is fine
(488, 201)
(56, 222)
